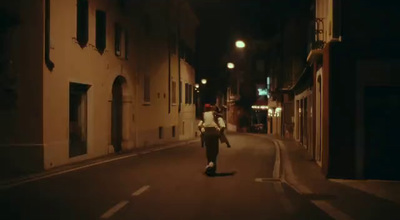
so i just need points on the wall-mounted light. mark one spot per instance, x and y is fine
(204, 81)
(196, 85)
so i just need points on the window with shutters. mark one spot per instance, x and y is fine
(82, 22)
(100, 31)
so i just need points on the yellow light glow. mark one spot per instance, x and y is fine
(204, 81)
(196, 86)
(231, 65)
(262, 107)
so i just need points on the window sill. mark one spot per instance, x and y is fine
(146, 104)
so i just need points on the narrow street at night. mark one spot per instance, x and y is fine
(167, 184)
(199, 109)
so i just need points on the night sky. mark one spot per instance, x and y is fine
(224, 21)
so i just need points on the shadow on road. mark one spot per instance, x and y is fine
(223, 174)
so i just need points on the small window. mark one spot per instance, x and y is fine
(146, 88)
(118, 34)
(173, 131)
(173, 92)
(82, 22)
(100, 31)
(160, 132)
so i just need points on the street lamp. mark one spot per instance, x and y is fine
(204, 81)
(240, 44)
(231, 65)
(196, 85)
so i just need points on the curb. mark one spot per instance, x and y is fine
(292, 182)
(6, 184)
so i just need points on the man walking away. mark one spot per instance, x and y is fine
(211, 128)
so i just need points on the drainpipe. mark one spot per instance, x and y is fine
(169, 57)
(179, 57)
(49, 63)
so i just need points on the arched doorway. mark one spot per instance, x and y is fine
(117, 113)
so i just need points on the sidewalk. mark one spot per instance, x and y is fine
(10, 181)
(341, 199)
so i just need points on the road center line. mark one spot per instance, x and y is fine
(141, 190)
(114, 209)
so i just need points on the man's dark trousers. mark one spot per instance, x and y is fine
(211, 139)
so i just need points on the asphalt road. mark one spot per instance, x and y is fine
(167, 184)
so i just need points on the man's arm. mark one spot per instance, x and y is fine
(200, 126)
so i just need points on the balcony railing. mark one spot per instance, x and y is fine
(316, 35)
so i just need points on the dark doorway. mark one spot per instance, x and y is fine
(382, 120)
(116, 113)
(77, 119)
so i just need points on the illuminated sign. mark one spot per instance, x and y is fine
(262, 92)
(262, 107)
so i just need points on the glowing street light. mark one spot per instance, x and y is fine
(196, 85)
(231, 65)
(240, 44)
(204, 81)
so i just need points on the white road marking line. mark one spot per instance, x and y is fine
(278, 185)
(5, 185)
(141, 190)
(290, 179)
(66, 171)
(263, 180)
(114, 209)
(284, 200)
(277, 164)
